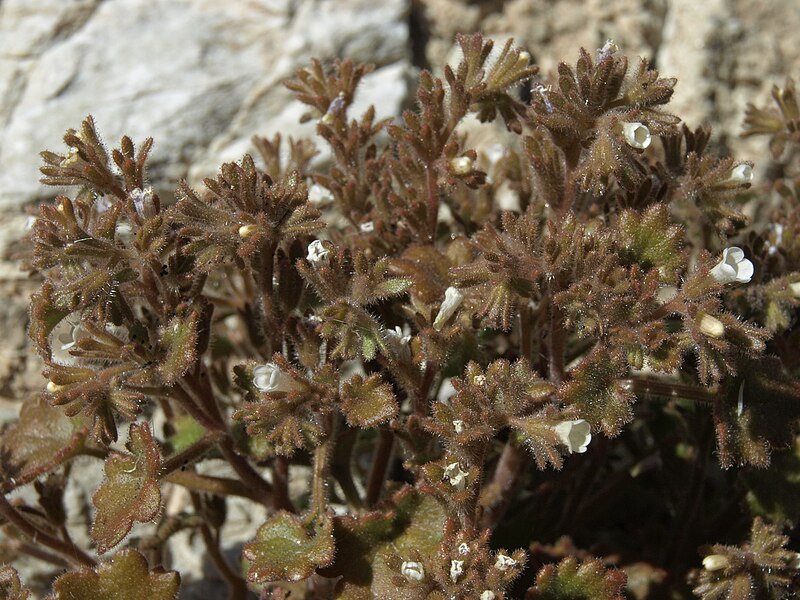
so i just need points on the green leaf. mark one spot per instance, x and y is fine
(574, 580)
(597, 393)
(650, 240)
(391, 287)
(41, 439)
(130, 492)
(370, 548)
(540, 439)
(124, 577)
(180, 343)
(368, 402)
(287, 548)
(187, 432)
(10, 586)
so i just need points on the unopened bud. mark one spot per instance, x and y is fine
(523, 59)
(53, 387)
(795, 287)
(711, 326)
(245, 231)
(461, 165)
(715, 562)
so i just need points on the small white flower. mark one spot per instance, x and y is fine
(270, 378)
(711, 326)
(742, 173)
(607, 50)
(740, 400)
(488, 595)
(452, 300)
(733, 267)
(401, 336)
(795, 562)
(795, 287)
(412, 570)
(575, 435)
(523, 59)
(456, 476)
(461, 165)
(71, 159)
(64, 337)
(456, 569)
(636, 135)
(463, 548)
(459, 426)
(319, 195)
(503, 562)
(715, 562)
(140, 197)
(479, 380)
(53, 387)
(30, 221)
(446, 391)
(367, 227)
(543, 90)
(317, 253)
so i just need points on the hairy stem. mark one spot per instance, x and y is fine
(249, 476)
(280, 484)
(222, 486)
(190, 454)
(39, 537)
(322, 461)
(497, 495)
(380, 463)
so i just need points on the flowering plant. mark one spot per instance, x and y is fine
(431, 397)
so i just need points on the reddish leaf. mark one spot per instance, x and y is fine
(124, 577)
(130, 492)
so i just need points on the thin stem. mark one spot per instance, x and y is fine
(236, 584)
(37, 536)
(433, 201)
(645, 386)
(421, 399)
(280, 485)
(322, 460)
(190, 454)
(261, 489)
(497, 495)
(222, 486)
(556, 343)
(18, 546)
(190, 406)
(380, 463)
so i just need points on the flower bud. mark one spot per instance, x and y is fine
(636, 135)
(245, 231)
(367, 227)
(795, 287)
(463, 548)
(318, 194)
(53, 387)
(461, 165)
(711, 326)
(575, 435)
(452, 300)
(488, 595)
(715, 562)
(412, 570)
(459, 426)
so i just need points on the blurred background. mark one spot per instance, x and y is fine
(203, 76)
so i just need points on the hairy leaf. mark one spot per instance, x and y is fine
(367, 402)
(130, 492)
(578, 580)
(10, 586)
(124, 577)
(288, 548)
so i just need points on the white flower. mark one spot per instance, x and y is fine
(318, 194)
(488, 595)
(463, 548)
(140, 197)
(270, 378)
(742, 173)
(795, 287)
(317, 253)
(452, 299)
(459, 426)
(715, 562)
(30, 221)
(398, 335)
(636, 135)
(53, 387)
(456, 569)
(575, 435)
(607, 50)
(367, 227)
(733, 267)
(64, 337)
(503, 562)
(461, 165)
(412, 570)
(479, 380)
(457, 477)
(711, 326)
